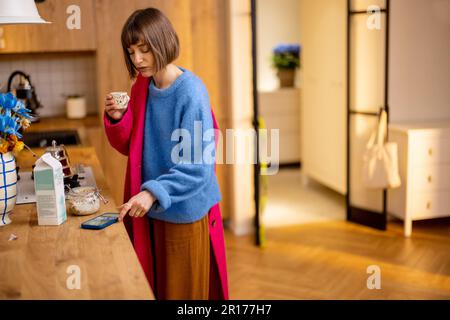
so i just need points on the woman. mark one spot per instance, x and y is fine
(171, 206)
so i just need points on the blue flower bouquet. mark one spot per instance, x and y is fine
(13, 117)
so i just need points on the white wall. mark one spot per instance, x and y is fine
(419, 66)
(243, 208)
(277, 22)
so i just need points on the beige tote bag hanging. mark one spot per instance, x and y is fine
(380, 163)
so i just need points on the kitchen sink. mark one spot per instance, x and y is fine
(42, 139)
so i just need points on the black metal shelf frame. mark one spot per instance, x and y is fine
(257, 166)
(359, 215)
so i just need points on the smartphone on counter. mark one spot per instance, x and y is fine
(101, 221)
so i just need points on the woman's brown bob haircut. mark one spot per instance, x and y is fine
(153, 28)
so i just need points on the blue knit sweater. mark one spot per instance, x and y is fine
(174, 169)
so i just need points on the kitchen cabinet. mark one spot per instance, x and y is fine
(424, 165)
(57, 36)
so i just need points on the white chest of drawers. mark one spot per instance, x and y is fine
(280, 110)
(424, 164)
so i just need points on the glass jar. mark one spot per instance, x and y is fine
(59, 152)
(83, 200)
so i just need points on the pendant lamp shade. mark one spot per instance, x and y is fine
(19, 12)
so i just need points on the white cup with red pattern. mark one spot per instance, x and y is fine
(121, 98)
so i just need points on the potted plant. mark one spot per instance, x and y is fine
(13, 118)
(286, 58)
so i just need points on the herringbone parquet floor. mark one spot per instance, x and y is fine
(329, 260)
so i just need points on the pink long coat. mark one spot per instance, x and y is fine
(127, 136)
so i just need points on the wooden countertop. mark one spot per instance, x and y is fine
(63, 123)
(87, 127)
(37, 265)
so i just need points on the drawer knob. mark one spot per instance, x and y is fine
(430, 152)
(428, 205)
(429, 179)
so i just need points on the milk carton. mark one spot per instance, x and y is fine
(49, 188)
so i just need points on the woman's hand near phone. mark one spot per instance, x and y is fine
(138, 205)
(112, 109)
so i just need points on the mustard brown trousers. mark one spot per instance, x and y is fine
(182, 259)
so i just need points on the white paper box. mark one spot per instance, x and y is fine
(49, 188)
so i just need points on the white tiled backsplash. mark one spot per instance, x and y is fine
(54, 76)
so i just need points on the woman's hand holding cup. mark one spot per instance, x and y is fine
(116, 104)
